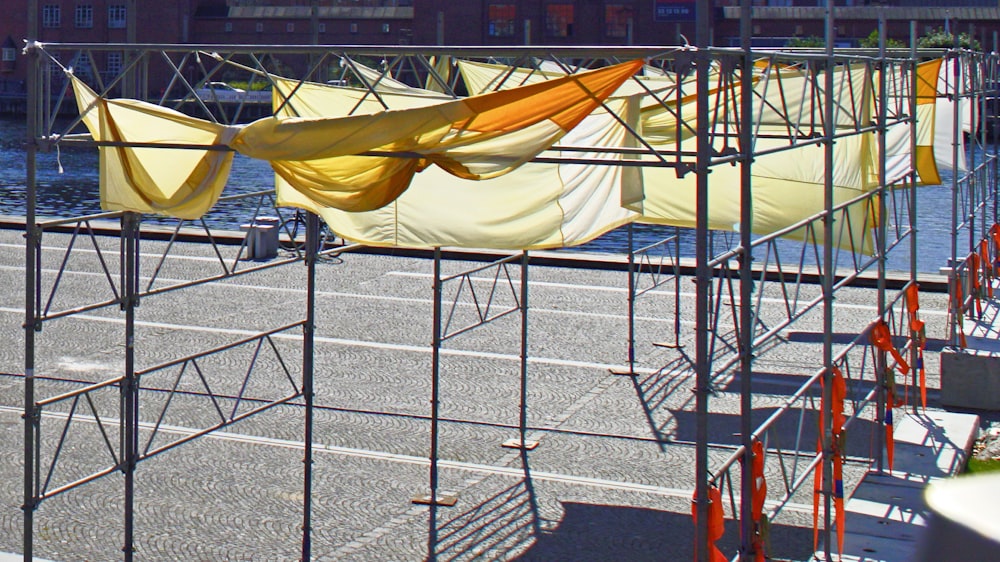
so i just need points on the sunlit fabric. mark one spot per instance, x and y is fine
(180, 182)
(539, 205)
(322, 157)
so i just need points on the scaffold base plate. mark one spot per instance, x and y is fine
(528, 445)
(446, 500)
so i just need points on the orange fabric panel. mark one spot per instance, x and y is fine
(927, 79)
(509, 110)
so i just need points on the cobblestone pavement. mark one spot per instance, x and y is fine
(611, 478)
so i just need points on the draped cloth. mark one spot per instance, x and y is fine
(355, 163)
(391, 166)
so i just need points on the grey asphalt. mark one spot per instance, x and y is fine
(611, 478)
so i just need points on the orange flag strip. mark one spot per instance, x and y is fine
(817, 487)
(817, 492)
(995, 235)
(959, 302)
(882, 339)
(838, 498)
(757, 502)
(838, 392)
(984, 258)
(920, 339)
(974, 283)
(716, 524)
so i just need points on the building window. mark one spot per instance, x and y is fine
(81, 66)
(385, 28)
(114, 64)
(84, 16)
(9, 53)
(354, 28)
(51, 16)
(559, 20)
(290, 27)
(260, 27)
(501, 20)
(228, 27)
(322, 28)
(617, 20)
(116, 17)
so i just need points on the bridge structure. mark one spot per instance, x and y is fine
(714, 118)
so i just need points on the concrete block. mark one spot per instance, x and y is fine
(970, 378)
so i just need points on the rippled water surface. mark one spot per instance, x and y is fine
(74, 191)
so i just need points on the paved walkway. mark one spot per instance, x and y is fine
(612, 478)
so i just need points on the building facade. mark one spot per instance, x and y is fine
(450, 22)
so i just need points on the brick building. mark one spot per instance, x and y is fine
(450, 22)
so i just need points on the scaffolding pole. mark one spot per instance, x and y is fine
(130, 384)
(703, 279)
(32, 249)
(829, 265)
(746, 321)
(308, 369)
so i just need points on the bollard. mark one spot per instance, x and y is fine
(268, 230)
(261, 241)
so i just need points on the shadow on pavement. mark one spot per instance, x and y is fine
(594, 532)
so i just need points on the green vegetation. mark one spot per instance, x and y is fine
(871, 42)
(261, 84)
(940, 38)
(811, 42)
(977, 466)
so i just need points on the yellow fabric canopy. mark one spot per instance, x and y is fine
(539, 205)
(180, 182)
(787, 186)
(475, 138)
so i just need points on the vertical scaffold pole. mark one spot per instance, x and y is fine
(880, 237)
(32, 248)
(994, 74)
(130, 384)
(914, 226)
(994, 79)
(435, 390)
(523, 415)
(972, 95)
(631, 298)
(308, 371)
(955, 199)
(631, 305)
(703, 278)
(828, 269)
(747, 549)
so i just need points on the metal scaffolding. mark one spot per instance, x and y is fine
(747, 294)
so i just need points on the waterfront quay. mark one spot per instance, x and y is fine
(611, 479)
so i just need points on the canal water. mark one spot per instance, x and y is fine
(73, 191)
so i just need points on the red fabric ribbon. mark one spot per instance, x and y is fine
(882, 339)
(917, 327)
(716, 524)
(757, 501)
